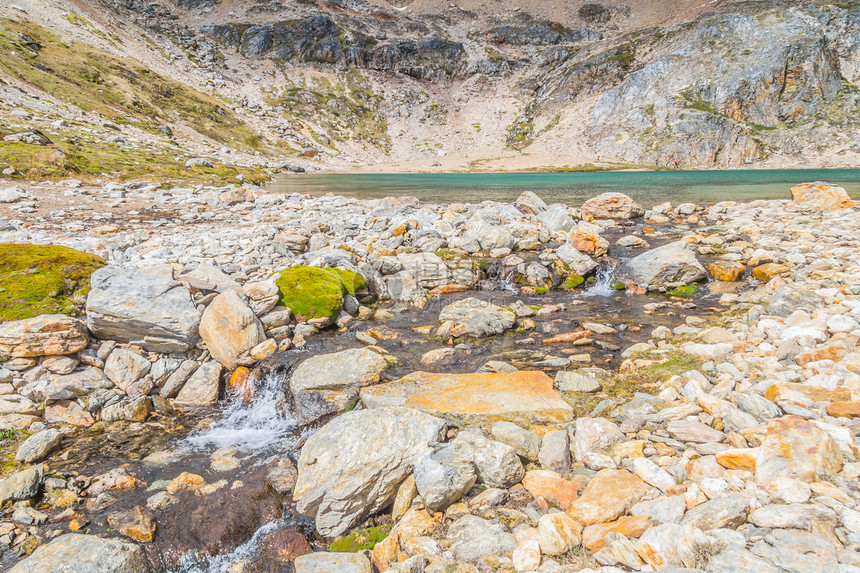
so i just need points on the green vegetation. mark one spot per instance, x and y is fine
(541, 290)
(119, 89)
(684, 291)
(617, 285)
(624, 55)
(43, 279)
(312, 292)
(360, 539)
(353, 281)
(573, 281)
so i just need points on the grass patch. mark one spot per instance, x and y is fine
(43, 279)
(360, 539)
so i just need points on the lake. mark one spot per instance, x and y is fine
(647, 187)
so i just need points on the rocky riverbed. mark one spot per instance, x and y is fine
(225, 379)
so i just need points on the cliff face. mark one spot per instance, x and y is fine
(346, 82)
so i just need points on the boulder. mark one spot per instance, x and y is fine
(427, 269)
(522, 397)
(230, 328)
(38, 446)
(350, 469)
(124, 367)
(330, 383)
(820, 197)
(551, 486)
(729, 510)
(578, 263)
(443, 477)
(526, 444)
(798, 449)
(496, 464)
(148, 309)
(611, 205)
(478, 318)
(556, 218)
(22, 485)
(530, 204)
(472, 538)
(69, 386)
(669, 266)
(76, 553)
(332, 563)
(202, 387)
(594, 434)
(208, 277)
(608, 496)
(44, 335)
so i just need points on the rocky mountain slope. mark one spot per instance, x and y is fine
(438, 85)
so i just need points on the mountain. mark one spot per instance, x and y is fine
(352, 84)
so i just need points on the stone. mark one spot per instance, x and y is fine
(23, 484)
(787, 490)
(611, 205)
(794, 516)
(672, 265)
(555, 451)
(526, 557)
(61, 365)
(330, 383)
(608, 496)
(332, 563)
(575, 381)
(496, 464)
(585, 238)
(147, 309)
(482, 398)
(767, 271)
(472, 538)
(136, 523)
(262, 296)
(136, 409)
(442, 478)
(44, 335)
(668, 509)
(526, 444)
(848, 409)
(820, 197)
(738, 459)
(577, 263)
(729, 271)
(798, 551)
(694, 431)
(352, 466)
(530, 204)
(177, 379)
(77, 553)
(478, 318)
(558, 533)
(594, 434)
(36, 447)
(202, 387)
(798, 449)
(207, 277)
(556, 218)
(428, 269)
(737, 559)
(630, 527)
(415, 523)
(437, 355)
(653, 474)
(551, 486)
(230, 328)
(729, 510)
(670, 545)
(68, 412)
(124, 367)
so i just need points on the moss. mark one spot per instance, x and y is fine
(617, 285)
(360, 539)
(311, 292)
(573, 281)
(352, 280)
(43, 279)
(684, 291)
(541, 290)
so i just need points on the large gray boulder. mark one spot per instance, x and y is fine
(351, 468)
(669, 266)
(230, 328)
(76, 553)
(148, 309)
(443, 477)
(22, 485)
(329, 383)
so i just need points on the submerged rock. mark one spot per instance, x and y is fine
(478, 318)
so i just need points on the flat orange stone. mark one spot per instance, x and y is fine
(567, 337)
(447, 289)
(552, 487)
(525, 397)
(631, 527)
(784, 390)
(738, 459)
(844, 409)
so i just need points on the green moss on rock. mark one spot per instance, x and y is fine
(684, 291)
(312, 292)
(352, 280)
(360, 539)
(617, 285)
(573, 281)
(43, 279)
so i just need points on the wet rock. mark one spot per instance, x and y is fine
(47, 334)
(478, 318)
(526, 444)
(76, 553)
(230, 328)
(669, 266)
(351, 468)
(124, 367)
(329, 383)
(202, 387)
(135, 523)
(147, 309)
(472, 538)
(608, 496)
(820, 197)
(798, 449)
(611, 206)
(496, 464)
(38, 446)
(22, 485)
(442, 478)
(278, 550)
(481, 398)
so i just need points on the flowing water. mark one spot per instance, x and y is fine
(647, 187)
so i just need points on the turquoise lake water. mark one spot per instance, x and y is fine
(649, 187)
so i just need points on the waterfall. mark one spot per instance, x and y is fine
(600, 286)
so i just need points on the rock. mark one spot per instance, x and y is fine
(38, 446)
(798, 449)
(311, 292)
(526, 444)
(177, 379)
(653, 474)
(478, 318)
(202, 387)
(611, 206)
(820, 197)
(727, 271)
(556, 218)
(800, 551)
(794, 516)
(207, 277)
(481, 398)
(22, 485)
(230, 328)
(661, 510)
(585, 238)
(694, 431)
(44, 335)
(767, 271)
(68, 412)
(526, 557)
(136, 409)
(575, 381)
(788, 490)
(670, 545)
(279, 549)
(669, 266)
(632, 241)
(147, 309)
(736, 558)
(59, 364)
(729, 510)
(577, 263)
(472, 538)
(559, 533)
(555, 451)
(330, 383)
(76, 553)
(135, 523)
(18, 405)
(530, 204)
(551, 486)
(844, 409)
(593, 536)
(332, 563)
(124, 367)
(442, 478)
(351, 467)
(496, 464)
(427, 269)
(594, 434)
(608, 496)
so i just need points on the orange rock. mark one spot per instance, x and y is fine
(242, 384)
(844, 409)
(738, 459)
(833, 350)
(185, 481)
(797, 449)
(821, 197)
(551, 486)
(608, 496)
(785, 391)
(727, 271)
(79, 523)
(852, 362)
(635, 290)
(68, 412)
(447, 289)
(524, 397)
(631, 527)
(400, 230)
(632, 449)
(767, 271)
(567, 337)
(135, 523)
(415, 523)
